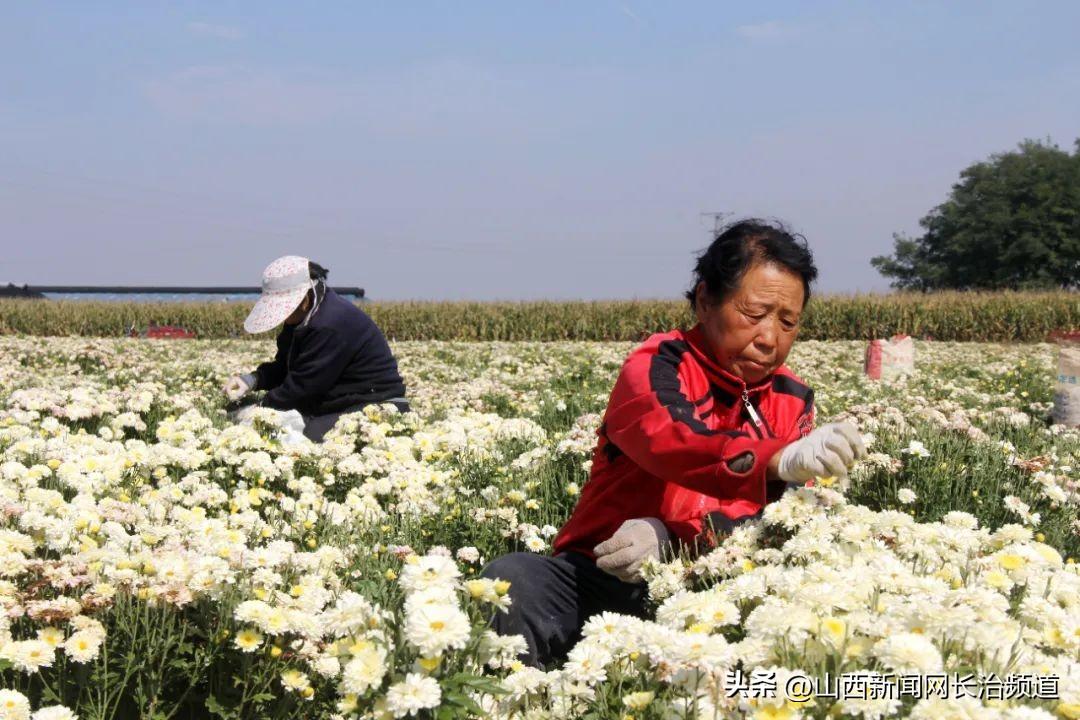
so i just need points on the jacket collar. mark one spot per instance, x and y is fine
(695, 338)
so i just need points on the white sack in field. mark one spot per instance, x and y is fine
(1067, 391)
(290, 423)
(887, 359)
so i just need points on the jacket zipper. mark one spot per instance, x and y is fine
(750, 409)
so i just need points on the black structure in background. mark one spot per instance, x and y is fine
(14, 291)
(38, 291)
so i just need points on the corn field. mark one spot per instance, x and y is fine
(987, 317)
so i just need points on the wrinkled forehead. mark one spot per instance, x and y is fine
(773, 285)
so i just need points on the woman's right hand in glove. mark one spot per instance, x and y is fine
(827, 451)
(238, 386)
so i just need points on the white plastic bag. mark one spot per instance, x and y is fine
(887, 359)
(292, 428)
(1067, 391)
(290, 423)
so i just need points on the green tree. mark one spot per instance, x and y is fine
(1011, 222)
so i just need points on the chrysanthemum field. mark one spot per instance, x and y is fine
(157, 562)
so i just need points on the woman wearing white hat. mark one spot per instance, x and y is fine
(331, 358)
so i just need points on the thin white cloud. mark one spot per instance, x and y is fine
(222, 32)
(770, 30)
(240, 95)
(418, 99)
(631, 14)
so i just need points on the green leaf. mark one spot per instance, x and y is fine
(476, 682)
(216, 708)
(463, 701)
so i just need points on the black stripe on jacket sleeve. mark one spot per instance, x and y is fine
(790, 386)
(664, 382)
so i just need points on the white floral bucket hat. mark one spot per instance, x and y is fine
(285, 282)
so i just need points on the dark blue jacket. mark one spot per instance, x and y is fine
(340, 359)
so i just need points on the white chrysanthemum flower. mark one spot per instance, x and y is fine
(962, 708)
(908, 653)
(413, 694)
(906, 496)
(1021, 509)
(248, 640)
(29, 655)
(1024, 712)
(535, 543)
(703, 611)
(870, 706)
(693, 708)
(501, 652)
(53, 636)
(587, 663)
(915, 448)
(468, 554)
(429, 571)
(89, 625)
(637, 701)
(351, 612)
(960, 520)
(327, 666)
(54, 712)
(295, 681)
(664, 579)
(435, 628)
(84, 645)
(612, 631)
(365, 669)
(14, 705)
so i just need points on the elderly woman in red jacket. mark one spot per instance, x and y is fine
(704, 427)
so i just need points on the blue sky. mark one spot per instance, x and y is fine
(500, 150)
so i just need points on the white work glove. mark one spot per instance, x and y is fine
(827, 451)
(623, 553)
(238, 386)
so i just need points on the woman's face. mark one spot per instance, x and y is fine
(751, 331)
(298, 313)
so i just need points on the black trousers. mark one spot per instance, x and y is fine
(552, 597)
(316, 426)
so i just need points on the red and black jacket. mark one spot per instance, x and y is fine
(683, 439)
